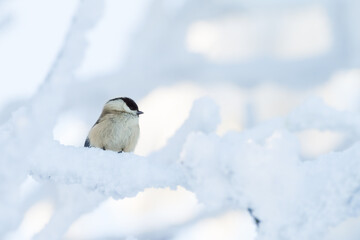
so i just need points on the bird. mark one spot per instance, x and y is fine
(117, 128)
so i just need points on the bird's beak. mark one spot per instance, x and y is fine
(139, 112)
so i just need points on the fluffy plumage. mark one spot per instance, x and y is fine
(117, 128)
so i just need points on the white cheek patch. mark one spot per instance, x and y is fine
(120, 105)
(116, 105)
(127, 109)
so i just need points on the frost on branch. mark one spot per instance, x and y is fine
(126, 174)
(294, 199)
(259, 168)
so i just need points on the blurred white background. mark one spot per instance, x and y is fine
(257, 59)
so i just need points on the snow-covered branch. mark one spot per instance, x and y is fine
(291, 197)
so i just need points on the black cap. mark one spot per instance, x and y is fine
(129, 102)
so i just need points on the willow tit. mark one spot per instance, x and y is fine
(117, 128)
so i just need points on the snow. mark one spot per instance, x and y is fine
(23, 38)
(242, 110)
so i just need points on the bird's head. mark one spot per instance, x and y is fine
(122, 104)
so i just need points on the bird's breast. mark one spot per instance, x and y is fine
(117, 133)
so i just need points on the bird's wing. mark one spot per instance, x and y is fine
(87, 142)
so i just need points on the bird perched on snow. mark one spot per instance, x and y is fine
(117, 128)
